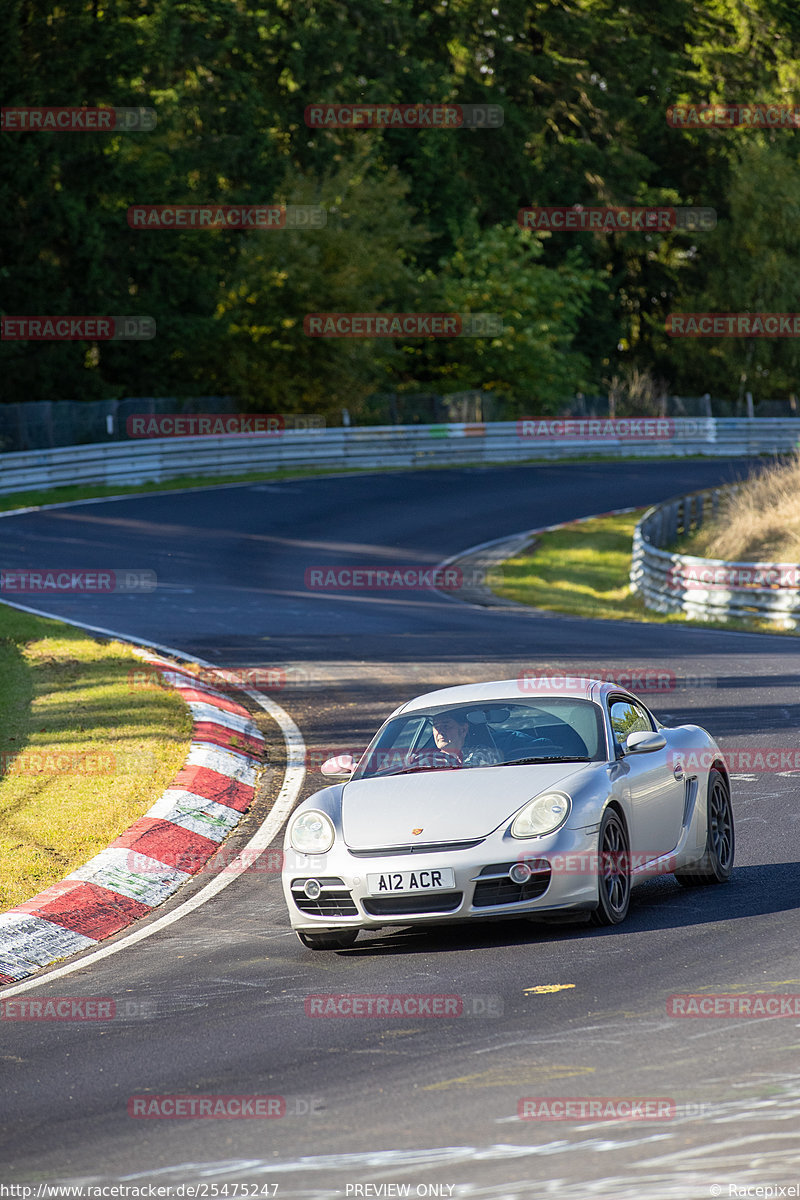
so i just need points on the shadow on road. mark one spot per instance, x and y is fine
(659, 904)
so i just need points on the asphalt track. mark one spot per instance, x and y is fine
(215, 1003)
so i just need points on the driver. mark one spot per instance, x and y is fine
(451, 734)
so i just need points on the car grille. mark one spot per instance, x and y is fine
(500, 889)
(398, 906)
(333, 901)
(423, 848)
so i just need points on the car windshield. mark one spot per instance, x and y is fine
(497, 733)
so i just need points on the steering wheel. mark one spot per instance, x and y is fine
(426, 759)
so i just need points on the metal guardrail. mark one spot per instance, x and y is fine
(46, 424)
(706, 588)
(161, 459)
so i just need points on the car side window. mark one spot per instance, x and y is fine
(628, 717)
(416, 731)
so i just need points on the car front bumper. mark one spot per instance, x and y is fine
(564, 877)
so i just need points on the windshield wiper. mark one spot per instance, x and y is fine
(409, 771)
(518, 762)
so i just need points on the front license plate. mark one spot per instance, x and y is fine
(411, 881)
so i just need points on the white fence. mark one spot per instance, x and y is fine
(706, 588)
(157, 460)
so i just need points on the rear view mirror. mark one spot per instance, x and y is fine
(495, 715)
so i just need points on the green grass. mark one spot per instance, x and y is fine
(84, 749)
(62, 495)
(584, 569)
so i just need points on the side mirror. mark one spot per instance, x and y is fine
(644, 741)
(342, 765)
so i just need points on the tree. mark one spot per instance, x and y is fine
(535, 363)
(749, 263)
(360, 262)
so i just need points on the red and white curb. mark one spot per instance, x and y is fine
(158, 852)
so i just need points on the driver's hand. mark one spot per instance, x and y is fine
(436, 758)
(482, 757)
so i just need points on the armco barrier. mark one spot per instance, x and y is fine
(117, 464)
(706, 588)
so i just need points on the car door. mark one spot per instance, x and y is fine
(655, 794)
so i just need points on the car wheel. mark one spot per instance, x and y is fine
(328, 941)
(614, 871)
(717, 863)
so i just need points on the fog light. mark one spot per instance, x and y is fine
(312, 889)
(520, 873)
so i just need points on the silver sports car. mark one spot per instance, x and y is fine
(489, 801)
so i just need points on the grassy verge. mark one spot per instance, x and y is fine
(83, 752)
(62, 495)
(758, 523)
(583, 570)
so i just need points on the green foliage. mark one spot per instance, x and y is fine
(358, 263)
(534, 363)
(416, 218)
(751, 265)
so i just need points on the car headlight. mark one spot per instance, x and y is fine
(312, 832)
(543, 815)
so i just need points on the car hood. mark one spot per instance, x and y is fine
(448, 806)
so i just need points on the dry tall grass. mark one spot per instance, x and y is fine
(760, 523)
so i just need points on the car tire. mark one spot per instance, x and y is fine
(614, 871)
(717, 863)
(328, 941)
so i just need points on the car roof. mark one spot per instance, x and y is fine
(527, 687)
